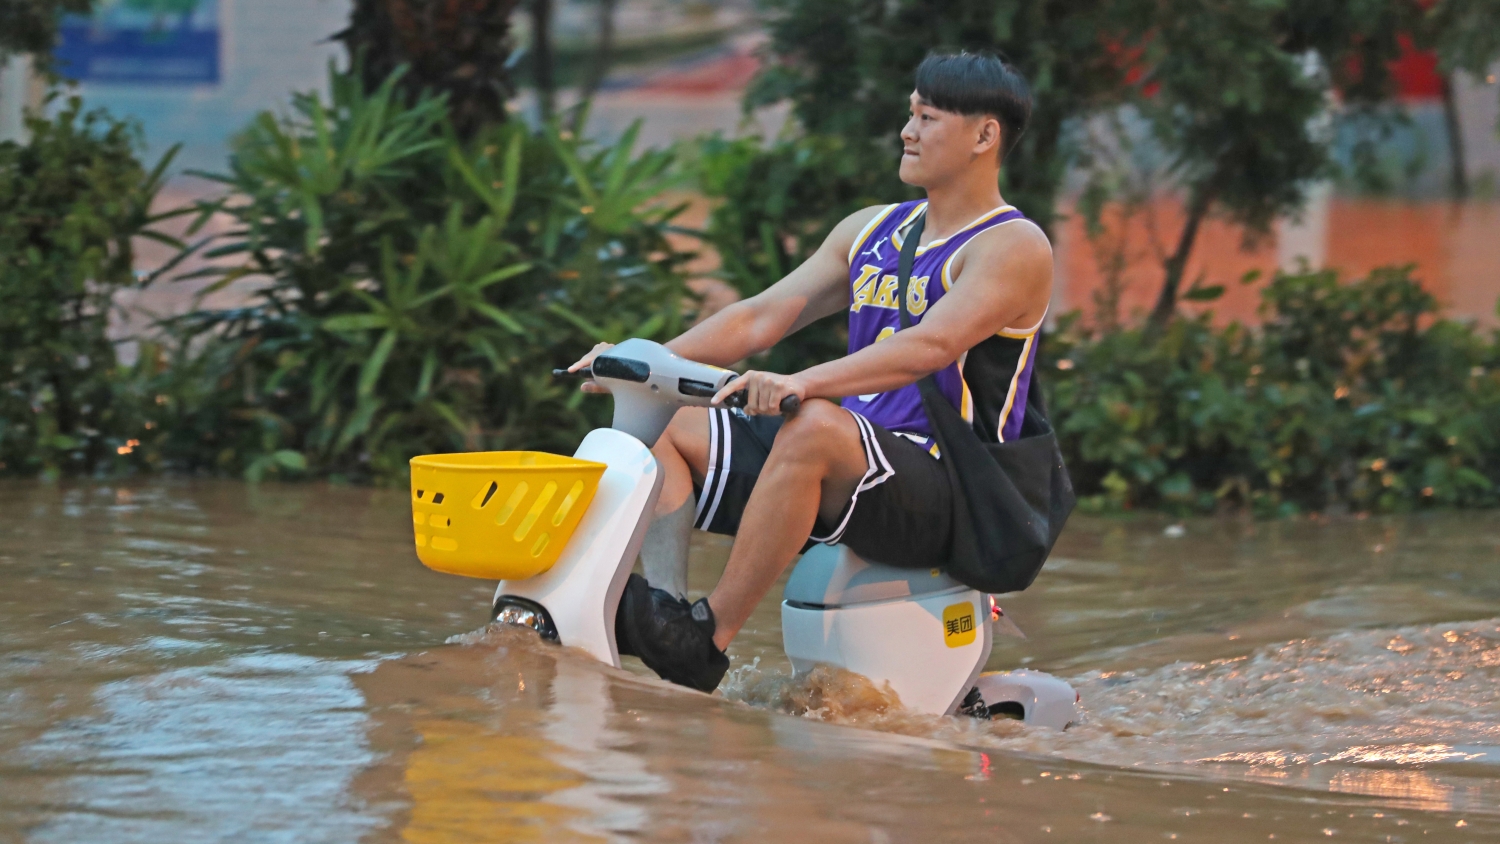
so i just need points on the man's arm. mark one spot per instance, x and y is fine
(817, 288)
(1005, 279)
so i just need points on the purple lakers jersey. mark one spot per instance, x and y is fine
(988, 384)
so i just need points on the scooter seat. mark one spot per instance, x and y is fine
(833, 576)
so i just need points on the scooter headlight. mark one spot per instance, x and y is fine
(510, 609)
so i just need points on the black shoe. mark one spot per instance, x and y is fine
(622, 641)
(674, 639)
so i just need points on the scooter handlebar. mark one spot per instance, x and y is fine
(700, 389)
(789, 405)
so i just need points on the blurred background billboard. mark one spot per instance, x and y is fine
(143, 42)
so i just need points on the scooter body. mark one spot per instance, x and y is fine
(917, 631)
(924, 634)
(581, 592)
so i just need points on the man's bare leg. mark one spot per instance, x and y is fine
(682, 453)
(664, 552)
(814, 467)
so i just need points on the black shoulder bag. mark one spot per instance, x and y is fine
(1010, 499)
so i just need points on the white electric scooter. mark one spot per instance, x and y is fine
(923, 633)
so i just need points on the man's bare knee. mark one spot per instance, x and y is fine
(817, 432)
(687, 435)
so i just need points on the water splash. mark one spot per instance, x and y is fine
(1408, 697)
(826, 693)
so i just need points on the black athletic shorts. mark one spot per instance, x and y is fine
(901, 511)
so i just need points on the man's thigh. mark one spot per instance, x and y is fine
(737, 449)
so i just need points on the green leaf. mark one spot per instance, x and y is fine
(500, 275)
(356, 322)
(1204, 294)
(358, 424)
(293, 461)
(369, 374)
(594, 332)
(499, 317)
(429, 368)
(1423, 417)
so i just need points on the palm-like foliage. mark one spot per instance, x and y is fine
(417, 289)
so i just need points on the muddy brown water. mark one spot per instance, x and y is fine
(208, 661)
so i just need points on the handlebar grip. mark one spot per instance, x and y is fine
(586, 372)
(789, 405)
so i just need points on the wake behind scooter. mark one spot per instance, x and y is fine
(562, 536)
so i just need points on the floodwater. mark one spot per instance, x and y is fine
(208, 661)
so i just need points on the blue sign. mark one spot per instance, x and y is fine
(153, 42)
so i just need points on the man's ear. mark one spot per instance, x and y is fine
(989, 134)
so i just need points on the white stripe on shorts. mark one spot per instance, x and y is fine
(717, 477)
(878, 470)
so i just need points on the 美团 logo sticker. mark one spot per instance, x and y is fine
(958, 624)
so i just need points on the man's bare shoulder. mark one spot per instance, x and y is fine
(839, 243)
(1018, 250)
(1019, 241)
(861, 218)
(842, 238)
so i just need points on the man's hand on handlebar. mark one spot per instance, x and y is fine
(764, 391)
(590, 385)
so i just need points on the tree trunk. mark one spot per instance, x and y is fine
(1166, 303)
(460, 48)
(1455, 141)
(603, 54)
(541, 57)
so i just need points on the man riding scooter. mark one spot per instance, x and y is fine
(857, 463)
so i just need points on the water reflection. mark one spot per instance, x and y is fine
(210, 662)
(1408, 789)
(255, 747)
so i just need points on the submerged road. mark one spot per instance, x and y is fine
(208, 661)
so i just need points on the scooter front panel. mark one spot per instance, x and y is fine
(582, 590)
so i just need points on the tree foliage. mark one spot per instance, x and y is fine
(1233, 98)
(1351, 395)
(1240, 97)
(72, 200)
(846, 68)
(417, 289)
(30, 26)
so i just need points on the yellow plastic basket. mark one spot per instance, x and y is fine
(498, 515)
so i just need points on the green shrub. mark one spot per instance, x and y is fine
(418, 289)
(71, 200)
(1351, 395)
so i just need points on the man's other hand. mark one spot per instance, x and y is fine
(763, 391)
(591, 386)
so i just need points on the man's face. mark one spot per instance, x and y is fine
(939, 145)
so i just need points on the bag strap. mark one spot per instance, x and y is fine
(904, 265)
(928, 384)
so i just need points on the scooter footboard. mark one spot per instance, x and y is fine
(930, 650)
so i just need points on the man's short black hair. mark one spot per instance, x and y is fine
(974, 84)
